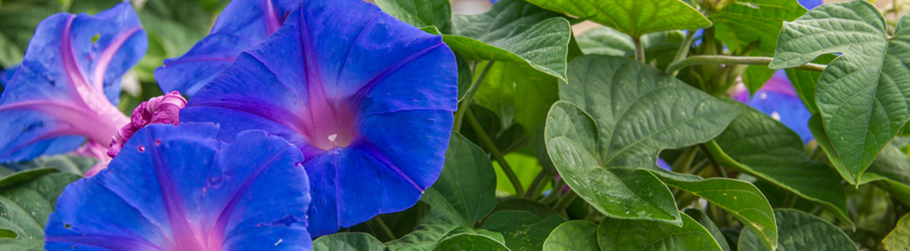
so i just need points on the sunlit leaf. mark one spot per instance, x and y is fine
(573, 236)
(635, 18)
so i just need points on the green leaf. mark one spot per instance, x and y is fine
(744, 22)
(635, 18)
(465, 76)
(20, 18)
(804, 82)
(173, 27)
(622, 193)
(613, 234)
(348, 242)
(514, 31)
(540, 210)
(419, 13)
(660, 47)
(641, 111)
(573, 236)
(466, 230)
(899, 238)
(463, 194)
(891, 171)
(862, 95)
(800, 231)
(65, 163)
(739, 198)
(469, 242)
(25, 205)
(709, 225)
(767, 149)
(756, 76)
(522, 230)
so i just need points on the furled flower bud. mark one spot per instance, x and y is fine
(163, 109)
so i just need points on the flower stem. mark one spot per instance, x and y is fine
(496, 154)
(721, 59)
(565, 201)
(639, 50)
(718, 169)
(683, 51)
(469, 96)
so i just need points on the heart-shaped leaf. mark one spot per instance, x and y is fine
(900, 236)
(709, 225)
(348, 242)
(635, 18)
(420, 13)
(469, 242)
(522, 230)
(613, 234)
(862, 96)
(622, 193)
(26, 200)
(765, 148)
(514, 31)
(800, 231)
(573, 236)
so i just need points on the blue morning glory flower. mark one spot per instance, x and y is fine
(7, 74)
(242, 25)
(177, 188)
(66, 88)
(778, 100)
(367, 98)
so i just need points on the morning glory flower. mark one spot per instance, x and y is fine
(65, 90)
(240, 26)
(367, 98)
(778, 99)
(178, 188)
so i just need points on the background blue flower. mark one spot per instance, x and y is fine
(177, 188)
(68, 85)
(242, 25)
(367, 98)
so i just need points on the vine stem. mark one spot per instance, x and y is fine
(718, 170)
(683, 51)
(384, 228)
(497, 155)
(639, 50)
(565, 201)
(720, 59)
(538, 182)
(469, 96)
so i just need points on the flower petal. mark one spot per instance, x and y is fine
(177, 188)
(368, 100)
(68, 82)
(240, 26)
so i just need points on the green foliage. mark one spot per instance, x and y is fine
(573, 236)
(26, 200)
(470, 242)
(348, 242)
(800, 231)
(635, 18)
(899, 238)
(615, 234)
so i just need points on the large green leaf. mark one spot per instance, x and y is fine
(514, 31)
(640, 111)
(765, 148)
(660, 47)
(744, 22)
(463, 194)
(420, 13)
(635, 18)
(739, 198)
(348, 242)
(26, 200)
(800, 231)
(862, 96)
(470, 242)
(522, 230)
(899, 237)
(709, 225)
(623, 235)
(573, 236)
(623, 193)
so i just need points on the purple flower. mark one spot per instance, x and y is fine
(242, 25)
(778, 100)
(177, 188)
(66, 87)
(367, 98)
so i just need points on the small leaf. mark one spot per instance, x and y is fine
(522, 230)
(613, 234)
(800, 231)
(862, 96)
(899, 238)
(573, 236)
(469, 242)
(26, 201)
(739, 198)
(765, 148)
(616, 192)
(348, 242)
(635, 18)
(420, 13)
(709, 225)
(753, 21)
(514, 31)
